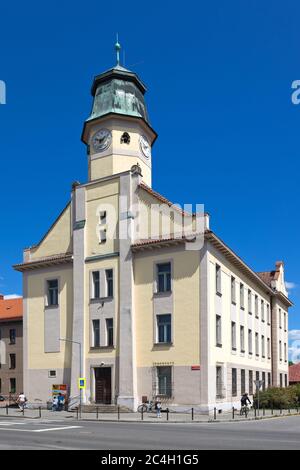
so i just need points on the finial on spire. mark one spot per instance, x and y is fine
(118, 48)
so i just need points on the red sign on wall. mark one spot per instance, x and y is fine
(195, 367)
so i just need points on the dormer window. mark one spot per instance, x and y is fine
(125, 139)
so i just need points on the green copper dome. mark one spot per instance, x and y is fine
(118, 91)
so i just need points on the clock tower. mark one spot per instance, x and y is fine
(118, 133)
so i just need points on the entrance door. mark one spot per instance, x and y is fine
(103, 385)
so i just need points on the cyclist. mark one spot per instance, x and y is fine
(244, 401)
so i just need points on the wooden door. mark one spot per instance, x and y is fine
(103, 385)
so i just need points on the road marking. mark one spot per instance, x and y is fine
(57, 429)
(9, 423)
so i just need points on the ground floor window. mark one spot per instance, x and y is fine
(285, 380)
(12, 385)
(219, 383)
(263, 378)
(243, 381)
(280, 378)
(234, 382)
(164, 378)
(250, 382)
(269, 379)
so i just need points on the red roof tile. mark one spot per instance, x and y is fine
(294, 373)
(11, 308)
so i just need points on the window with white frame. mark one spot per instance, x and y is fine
(164, 328)
(250, 301)
(263, 346)
(256, 344)
(242, 338)
(233, 336)
(218, 331)
(109, 276)
(269, 348)
(164, 379)
(262, 309)
(109, 331)
(285, 353)
(256, 306)
(279, 316)
(268, 314)
(218, 279)
(163, 277)
(250, 350)
(219, 382)
(96, 333)
(96, 284)
(52, 292)
(233, 290)
(284, 321)
(243, 381)
(234, 382)
(280, 350)
(242, 296)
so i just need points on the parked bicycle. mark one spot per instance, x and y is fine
(148, 406)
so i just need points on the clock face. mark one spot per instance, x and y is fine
(101, 140)
(145, 146)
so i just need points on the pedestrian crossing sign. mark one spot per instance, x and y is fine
(81, 383)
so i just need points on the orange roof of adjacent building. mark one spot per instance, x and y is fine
(11, 309)
(294, 373)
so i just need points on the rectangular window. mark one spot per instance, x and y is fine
(249, 302)
(280, 351)
(256, 306)
(263, 378)
(269, 379)
(262, 309)
(250, 382)
(52, 293)
(12, 361)
(234, 382)
(280, 378)
(12, 336)
(257, 375)
(256, 344)
(250, 350)
(102, 217)
(268, 314)
(285, 353)
(52, 374)
(219, 382)
(233, 290)
(242, 338)
(242, 297)
(96, 333)
(279, 316)
(164, 328)
(233, 336)
(102, 235)
(164, 377)
(109, 282)
(109, 332)
(12, 385)
(243, 381)
(164, 277)
(218, 279)
(263, 346)
(96, 284)
(269, 348)
(285, 380)
(284, 320)
(218, 331)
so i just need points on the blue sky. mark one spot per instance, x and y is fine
(219, 80)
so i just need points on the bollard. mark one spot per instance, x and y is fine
(118, 412)
(142, 414)
(255, 412)
(167, 414)
(264, 411)
(7, 409)
(23, 410)
(40, 412)
(192, 414)
(233, 412)
(281, 409)
(272, 409)
(77, 412)
(215, 413)
(97, 412)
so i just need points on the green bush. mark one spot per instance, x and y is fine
(276, 397)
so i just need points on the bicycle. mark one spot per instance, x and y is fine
(244, 410)
(149, 406)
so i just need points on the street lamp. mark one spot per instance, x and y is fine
(80, 368)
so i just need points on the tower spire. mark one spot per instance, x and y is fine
(118, 48)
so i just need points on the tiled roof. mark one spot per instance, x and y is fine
(44, 262)
(294, 373)
(11, 309)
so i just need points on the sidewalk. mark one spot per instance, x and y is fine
(172, 417)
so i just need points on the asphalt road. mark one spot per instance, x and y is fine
(276, 433)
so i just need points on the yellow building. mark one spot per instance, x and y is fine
(140, 297)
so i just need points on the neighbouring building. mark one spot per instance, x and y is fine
(167, 315)
(294, 374)
(11, 346)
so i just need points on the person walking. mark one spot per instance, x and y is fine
(55, 403)
(158, 409)
(61, 402)
(22, 401)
